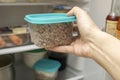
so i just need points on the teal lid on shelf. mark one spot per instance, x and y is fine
(47, 65)
(49, 18)
(36, 50)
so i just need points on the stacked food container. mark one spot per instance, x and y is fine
(14, 36)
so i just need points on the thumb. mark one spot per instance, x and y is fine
(63, 49)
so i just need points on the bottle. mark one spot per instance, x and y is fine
(112, 19)
(118, 25)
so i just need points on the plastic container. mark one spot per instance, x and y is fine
(50, 29)
(31, 57)
(46, 69)
(12, 37)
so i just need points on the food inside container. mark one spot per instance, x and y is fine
(50, 29)
(13, 36)
(46, 69)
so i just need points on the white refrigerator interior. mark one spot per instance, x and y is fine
(82, 68)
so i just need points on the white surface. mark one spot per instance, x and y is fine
(108, 77)
(76, 62)
(99, 9)
(92, 71)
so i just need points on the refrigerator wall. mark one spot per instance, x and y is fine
(99, 10)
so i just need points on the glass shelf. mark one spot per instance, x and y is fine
(18, 49)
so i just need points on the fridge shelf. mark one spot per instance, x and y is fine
(18, 49)
(45, 2)
(25, 73)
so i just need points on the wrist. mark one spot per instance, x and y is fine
(105, 51)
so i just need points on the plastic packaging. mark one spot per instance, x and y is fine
(31, 57)
(46, 69)
(11, 37)
(50, 29)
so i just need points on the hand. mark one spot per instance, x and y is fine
(86, 26)
(95, 44)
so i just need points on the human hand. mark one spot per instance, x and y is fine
(86, 27)
(93, 43)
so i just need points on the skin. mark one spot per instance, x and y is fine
(94, 43)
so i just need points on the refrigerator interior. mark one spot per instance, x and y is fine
(12, 14)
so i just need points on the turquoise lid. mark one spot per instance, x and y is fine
(47, 65)
(49, 18)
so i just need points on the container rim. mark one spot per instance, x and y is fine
(49, 18)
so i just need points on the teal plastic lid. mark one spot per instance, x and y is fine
(36, 50)
(49, 18)
(47, 65)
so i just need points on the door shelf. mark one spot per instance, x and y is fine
(18, 49)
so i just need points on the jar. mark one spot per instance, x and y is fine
(50, 29)
(32, 56)
(61, 57)
(46, 69)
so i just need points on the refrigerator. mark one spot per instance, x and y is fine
(12, 14)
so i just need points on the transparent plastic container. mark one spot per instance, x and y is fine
(46, 69)
(9, 38)
(50, 29)
(31, 57)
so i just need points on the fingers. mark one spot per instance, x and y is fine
(75, 11)
(70, 13)
(63, 49)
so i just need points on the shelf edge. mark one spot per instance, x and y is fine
(18, 49)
